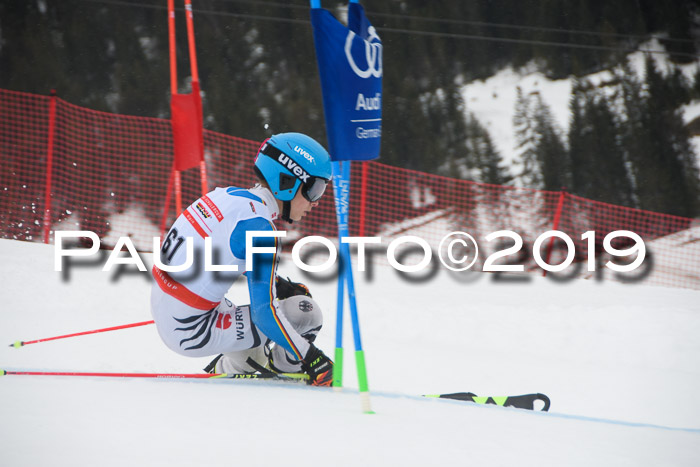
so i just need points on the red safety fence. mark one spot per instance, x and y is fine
(69, 168)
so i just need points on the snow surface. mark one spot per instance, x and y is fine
(492, 101)
(621, 364)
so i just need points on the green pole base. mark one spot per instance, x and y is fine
(338, 368)
(361, 370)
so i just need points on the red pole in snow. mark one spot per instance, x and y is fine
(168, 195)
(195, 90)
(363, 200)
(190, 41)
(173, 91)
(49, 166)
(555, 226)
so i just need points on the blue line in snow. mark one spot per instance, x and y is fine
(389, 395)
(544, 414)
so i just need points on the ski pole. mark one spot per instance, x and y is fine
(19, 344)
(280, 376)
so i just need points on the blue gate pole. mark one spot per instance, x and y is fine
(341, 186)
(341, 191)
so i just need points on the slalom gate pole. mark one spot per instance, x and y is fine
(166, 204)
(359, 352)
(342, 210)
(195, 90)
(337, 83)
(340, 186)
(190, 41)
(282, 376)
(338, 366)
(557, 218)
(171, 47)
(19, 344)
(173, 90)
(48, 197)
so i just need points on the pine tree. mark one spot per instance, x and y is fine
(478, 159)
(543, 153)
(526, 140)
(598, 167)
(486, 158)
(658, 147)
(674, 155)
(676, 19)
(552, 151)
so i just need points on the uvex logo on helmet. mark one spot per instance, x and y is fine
(306, 155)
(293, 167)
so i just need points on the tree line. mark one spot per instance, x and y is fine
(627, 143)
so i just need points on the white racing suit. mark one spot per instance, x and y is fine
(191, 314)
(305, 316)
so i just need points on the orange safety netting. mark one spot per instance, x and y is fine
(110, 174)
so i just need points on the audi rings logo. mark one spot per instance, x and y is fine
(373, 55)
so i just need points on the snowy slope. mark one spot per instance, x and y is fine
(620, 363)
(493, 100)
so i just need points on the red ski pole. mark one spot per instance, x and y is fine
(109, 375)
(19, 344)
(274, 376)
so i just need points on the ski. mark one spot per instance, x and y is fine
(525, 401)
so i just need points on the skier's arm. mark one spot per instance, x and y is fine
(261, 287)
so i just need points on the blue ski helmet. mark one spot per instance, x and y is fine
(290, 161)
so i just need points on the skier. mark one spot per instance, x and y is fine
(305, 316)
(192, 315)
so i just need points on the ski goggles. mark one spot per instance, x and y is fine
(312, 187)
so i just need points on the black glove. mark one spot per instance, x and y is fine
(318, 367)
(286, 288)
